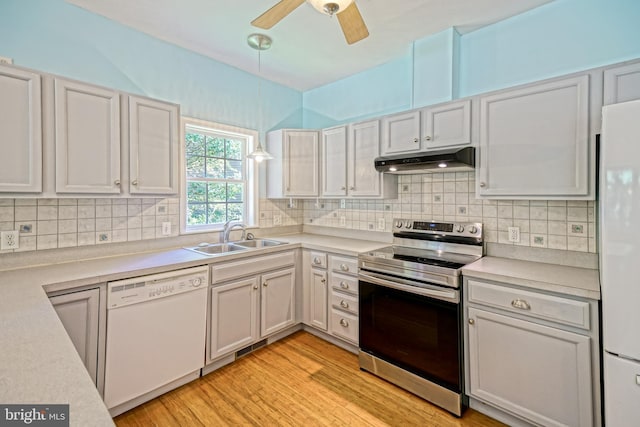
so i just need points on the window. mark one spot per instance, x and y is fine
(219, 179)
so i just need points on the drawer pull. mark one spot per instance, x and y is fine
(323, 280)
(344, 323)
(471, 321)
(316, 260)
(344, 267)
(521, 304)
(344, 304)
(344, 285)
(265, 284)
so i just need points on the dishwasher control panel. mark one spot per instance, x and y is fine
(139, 289)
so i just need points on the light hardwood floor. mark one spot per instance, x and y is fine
(298, 381)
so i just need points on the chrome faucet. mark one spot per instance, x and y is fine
(230, 225)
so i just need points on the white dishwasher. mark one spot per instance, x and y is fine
(156, 332)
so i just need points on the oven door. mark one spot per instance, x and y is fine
(417, 329)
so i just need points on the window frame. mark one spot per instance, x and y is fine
(250, 170)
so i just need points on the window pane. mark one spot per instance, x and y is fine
(217, 192)
(196, 214)
(234, 149)
(196, 192)
(195, 167)
(235, 192)
(235, 211)
(194, 144)
(234, 169)
(215, 168)
(215, 147)
(217, 213)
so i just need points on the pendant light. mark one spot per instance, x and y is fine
(259, 42)
(330, 7)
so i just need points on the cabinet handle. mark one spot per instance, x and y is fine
(255, 287)
(343, 188)
(352, 188)
(521, 304)
(323, 281)
(343, 285)
(427, 138)
(288, 188)
(316, 260)
(471, 321)
(482, 185)
(344, 304)
(344, 267)
(265, 284)
(134, 182)
(344, 323)
(116, 182)
(416, 140)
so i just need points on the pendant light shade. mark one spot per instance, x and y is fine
(259, 42)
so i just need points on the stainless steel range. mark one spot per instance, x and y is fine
(410, 318)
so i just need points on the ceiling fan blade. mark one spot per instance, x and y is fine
(352, 24)
(272, 16)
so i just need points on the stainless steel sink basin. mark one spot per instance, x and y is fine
(258, 243)
(216, 248)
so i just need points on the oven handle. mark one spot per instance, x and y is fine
(411, 286)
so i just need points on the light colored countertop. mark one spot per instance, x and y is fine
(38, 363)
(579, 282)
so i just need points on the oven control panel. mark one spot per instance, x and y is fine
(467, 229)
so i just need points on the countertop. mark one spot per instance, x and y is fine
(38, 363)
(574, 281)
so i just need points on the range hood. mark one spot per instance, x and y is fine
(449, 160)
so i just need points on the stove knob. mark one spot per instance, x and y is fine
(473, 229)
(399, 224)
(408, 225)
(460, 228)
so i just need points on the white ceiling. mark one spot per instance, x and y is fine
(308, 49)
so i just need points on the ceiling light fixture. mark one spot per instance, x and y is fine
(259, 42)
(330, 7)
(442, 165)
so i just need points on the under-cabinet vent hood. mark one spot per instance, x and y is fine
(449, 160)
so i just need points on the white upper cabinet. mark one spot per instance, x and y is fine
(20, 131)
(334, 161)
(153, 146)
(622, 84)
(401, 133)
(447, 125)
(534, 142)
(294, 171)
(87, 130)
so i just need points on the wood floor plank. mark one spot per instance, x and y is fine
(300, 380)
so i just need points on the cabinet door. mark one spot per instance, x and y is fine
(537, 372)
(87, 121)
(621, 390)
(233, 316)
(319, 303)
(364, 139)
(622, 84)
(20, 131)
(301, 163)
(153, 147)
(334, 161)
(447, 125)
(401, 133)
(534, 142)
(277, 301)
(79, 313)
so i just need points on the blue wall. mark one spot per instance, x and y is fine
(56, 37)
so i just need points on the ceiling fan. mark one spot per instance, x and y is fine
(349, 16)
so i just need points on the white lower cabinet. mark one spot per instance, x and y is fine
(527, 367)
(318, 303)
(250, 299)
(81, 316)
(343, 300)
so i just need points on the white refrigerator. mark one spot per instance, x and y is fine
(619, 203)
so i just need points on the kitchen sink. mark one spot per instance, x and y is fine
(216, 248)
(259, 243)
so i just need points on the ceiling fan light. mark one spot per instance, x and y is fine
(330, 7)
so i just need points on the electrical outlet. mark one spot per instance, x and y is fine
(380, 223)
(166, 228)
(277, 220)
(343, 221)
(514, 234)
(343, 203)
(5, 61)
(9, 240)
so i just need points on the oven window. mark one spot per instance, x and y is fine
(414, 332)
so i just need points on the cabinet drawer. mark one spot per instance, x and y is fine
(344, 283)
(346, 302)
(318, 259)
(249, 266)
(343, 264)
(547, 307)
(344, 325)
